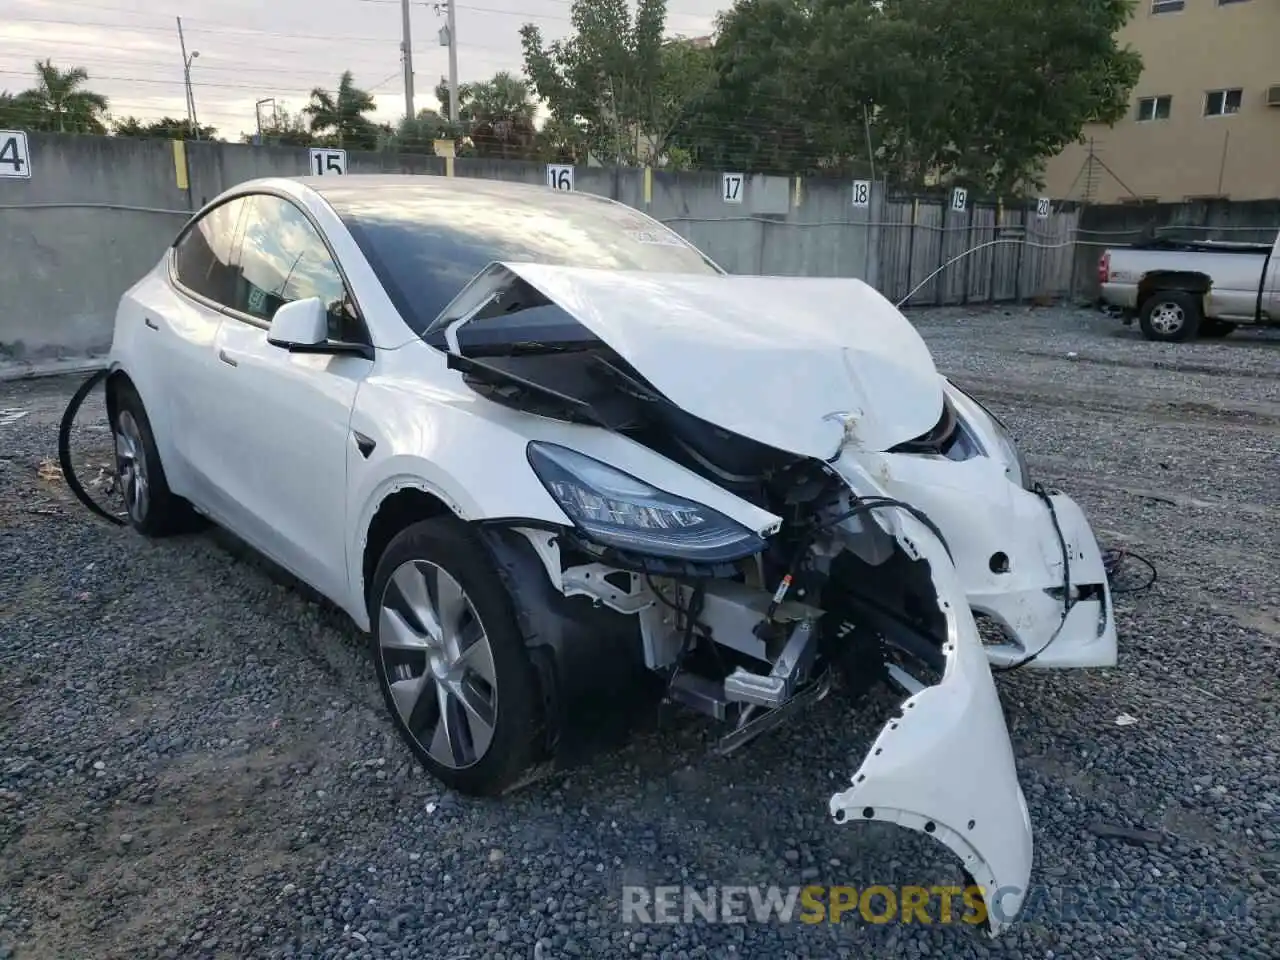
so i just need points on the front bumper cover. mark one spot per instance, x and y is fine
(944, 766)
(1010, 561)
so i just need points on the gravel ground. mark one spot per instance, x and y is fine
(194, 761)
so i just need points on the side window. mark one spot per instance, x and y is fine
(283, 259)
(204, 257)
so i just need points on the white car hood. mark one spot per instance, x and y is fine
(797, 363)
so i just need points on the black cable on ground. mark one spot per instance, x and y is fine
(1113, 560)
(64, 448)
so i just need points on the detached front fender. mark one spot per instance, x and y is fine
(944, 765)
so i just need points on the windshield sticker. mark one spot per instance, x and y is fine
(657, 239)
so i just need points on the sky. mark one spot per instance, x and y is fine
(249, 51)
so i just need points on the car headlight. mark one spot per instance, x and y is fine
(618, 510)
(1008, 453)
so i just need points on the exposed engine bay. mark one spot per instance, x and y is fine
(743, 639)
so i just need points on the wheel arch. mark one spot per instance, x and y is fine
(402, 506)
(1158, 281)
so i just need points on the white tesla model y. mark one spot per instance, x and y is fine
(550, 456)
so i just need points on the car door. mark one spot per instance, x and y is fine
(284, 419)
(185, 322)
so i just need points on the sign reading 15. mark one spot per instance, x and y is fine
(326, 161)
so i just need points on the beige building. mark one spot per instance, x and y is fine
(1204, 120)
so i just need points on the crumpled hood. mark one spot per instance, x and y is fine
(781, 360)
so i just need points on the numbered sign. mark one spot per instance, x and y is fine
(959, 199)
(15, 158)
(559, 176)
(862, 193)
(731, 187)
(327, 161)
(1043, 207)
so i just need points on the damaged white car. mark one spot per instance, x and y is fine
(552, 458)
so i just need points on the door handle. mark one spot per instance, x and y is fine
(227, 358)
(150, 323)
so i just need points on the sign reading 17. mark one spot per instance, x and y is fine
(328, 161)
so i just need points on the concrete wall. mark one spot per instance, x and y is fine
(98, 212)
(78, 234)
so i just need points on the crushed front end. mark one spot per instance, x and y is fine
(752, 559)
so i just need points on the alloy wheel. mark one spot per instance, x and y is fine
(438, 663)
(131, 465)
(1168, 318)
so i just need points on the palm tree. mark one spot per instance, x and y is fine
(343, 112)
(65, 107)
(502, 97)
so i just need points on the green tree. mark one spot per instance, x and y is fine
(59, 102)
(284, 129)
(973, 91)
(341, 114)
(167, 128)
(604, 79)
(496, 115)
(20, 111)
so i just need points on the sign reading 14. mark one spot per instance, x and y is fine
(15, 157)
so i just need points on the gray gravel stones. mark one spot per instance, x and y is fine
(194, 761)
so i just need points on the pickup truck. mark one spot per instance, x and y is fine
(1183, 290)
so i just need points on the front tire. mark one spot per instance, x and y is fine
(451, 660)
(1170, 316)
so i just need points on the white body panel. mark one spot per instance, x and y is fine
(946, 767)
(778, 359)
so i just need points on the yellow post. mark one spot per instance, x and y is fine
(798, 195)
(445, 148)
(180, 164)
(648, 185)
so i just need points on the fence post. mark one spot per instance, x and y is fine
(968, 257)
(1022, 247)
(942, 256)
(911, 249)
(995, 251)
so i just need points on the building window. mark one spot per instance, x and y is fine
(1154, 108)
(1219, 103)
(1223, 3)
(1167, 6)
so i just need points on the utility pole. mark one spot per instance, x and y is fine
(453, 63)
(406, 55)
(186, 77)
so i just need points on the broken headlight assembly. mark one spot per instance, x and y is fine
(614, 509)
(971, 409)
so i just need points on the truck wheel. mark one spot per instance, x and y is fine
(1217, 329)
(1170, 316)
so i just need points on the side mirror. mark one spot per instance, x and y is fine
(299, 323)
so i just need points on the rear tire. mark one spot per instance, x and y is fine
(153, 509)
(1216, 329)
(451, 660)
(1170, 316)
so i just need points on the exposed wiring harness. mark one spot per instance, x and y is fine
(1067, 600)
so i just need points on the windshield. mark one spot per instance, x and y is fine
(426, 243)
